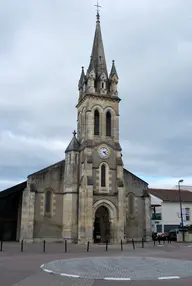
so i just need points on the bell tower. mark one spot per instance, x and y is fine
(101, 166)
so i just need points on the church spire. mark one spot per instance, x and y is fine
(98, 61)
(113, 71)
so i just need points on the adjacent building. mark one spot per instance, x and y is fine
(165, 209)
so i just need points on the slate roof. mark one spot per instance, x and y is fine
(113, 71)
(171, 195)
(12, 190)
(82, 78)
(73, 145)
(98, 61)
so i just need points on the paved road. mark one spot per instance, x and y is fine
(23, 269)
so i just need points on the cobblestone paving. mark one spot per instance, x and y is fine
(135, 268)
(23, 269)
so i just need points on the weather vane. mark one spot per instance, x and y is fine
(97, 6)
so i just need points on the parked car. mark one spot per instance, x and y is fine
(163, 236)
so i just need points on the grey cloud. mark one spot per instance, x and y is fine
(44, 46)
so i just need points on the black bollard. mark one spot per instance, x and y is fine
(65, 245)
(142, 242)
(121, 245)
(88, 246)
(133, 242)
(106, 246)
(21, 245)
(43, 245)
(154, 241)
(1, 249)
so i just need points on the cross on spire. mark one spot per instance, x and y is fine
(74, 133)
(98, 6)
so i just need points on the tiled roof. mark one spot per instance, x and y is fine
(171, 195)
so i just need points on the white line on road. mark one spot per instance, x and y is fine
(168, 277)
(48, 271)
(42, 266)
(117, 279)
(69, 275)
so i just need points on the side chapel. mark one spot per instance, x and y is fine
(89, 196)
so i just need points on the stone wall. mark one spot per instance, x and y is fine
(137, 223)
(27, 215)
(48, 226)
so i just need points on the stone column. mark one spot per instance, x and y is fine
(89, 214)
(121, 212)
(70, 217)
(147, 220)
(121, 202)
(27, 215)
(81, 215)
(85, 225)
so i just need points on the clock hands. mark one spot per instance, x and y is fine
(104, 152)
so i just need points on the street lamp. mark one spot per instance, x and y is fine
(181, 181)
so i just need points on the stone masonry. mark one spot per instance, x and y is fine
(89, 196)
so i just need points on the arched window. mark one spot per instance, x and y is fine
(103, 176)
(48, 200)
(108, 123)
(96, 122)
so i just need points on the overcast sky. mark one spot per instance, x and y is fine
(43, 45)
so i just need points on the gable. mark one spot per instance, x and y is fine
(134, 177)
(60, 164)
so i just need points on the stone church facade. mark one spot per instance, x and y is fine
(89, 196)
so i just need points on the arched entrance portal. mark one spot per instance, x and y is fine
(101, 231)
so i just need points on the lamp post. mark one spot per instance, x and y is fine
(179, 188)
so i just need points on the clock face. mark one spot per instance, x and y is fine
(104, 152)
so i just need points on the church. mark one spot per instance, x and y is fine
(88, 195)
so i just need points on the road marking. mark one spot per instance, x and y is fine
(168, 277)
(70, 275)
(48, 271)
(189, 246)
(42, 266)
(117, 279)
